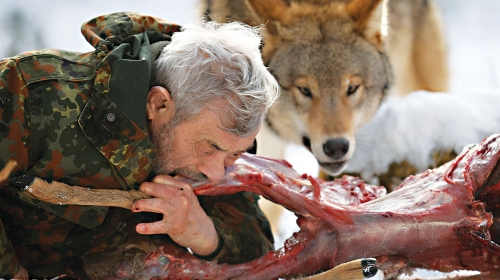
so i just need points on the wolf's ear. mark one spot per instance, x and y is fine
(370, 19)
(274, 13)
(270, 10)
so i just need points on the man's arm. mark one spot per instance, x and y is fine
(13, 145)
(9, 263)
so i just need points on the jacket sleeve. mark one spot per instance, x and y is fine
(14, 139)
(9, 263)
(106, 31)
(243, 227)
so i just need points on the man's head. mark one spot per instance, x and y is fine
(214, 92)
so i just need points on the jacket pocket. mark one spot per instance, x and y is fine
(118, 138)
(87, 216)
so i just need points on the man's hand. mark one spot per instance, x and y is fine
(183, 218)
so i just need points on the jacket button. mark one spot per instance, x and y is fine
(92, 214)
(110, 117)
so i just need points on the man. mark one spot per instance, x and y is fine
(149, 101)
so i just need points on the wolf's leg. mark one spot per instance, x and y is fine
(416, 47)
(430, 49)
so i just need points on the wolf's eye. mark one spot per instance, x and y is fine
(305, 91)
(352, 89)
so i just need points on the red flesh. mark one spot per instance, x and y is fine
(432, 220)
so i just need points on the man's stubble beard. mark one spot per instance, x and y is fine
(165, 161)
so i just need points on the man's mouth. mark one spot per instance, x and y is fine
(191, 175)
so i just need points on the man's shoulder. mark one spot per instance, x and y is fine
(55, 64)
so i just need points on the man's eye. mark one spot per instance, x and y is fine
(207, 149)
(234, 156)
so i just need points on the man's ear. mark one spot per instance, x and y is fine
(159, 104)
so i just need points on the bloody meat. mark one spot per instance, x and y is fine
(440, 219)
(447, 219)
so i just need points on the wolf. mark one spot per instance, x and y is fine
(336, 60)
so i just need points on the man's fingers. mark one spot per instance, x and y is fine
(165, 188)
(156, 205)
(151, 228)
(171, 214)
(168, 180)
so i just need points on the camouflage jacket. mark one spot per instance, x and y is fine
(79, 118)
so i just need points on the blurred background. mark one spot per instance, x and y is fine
(31, 24)
(472, 29)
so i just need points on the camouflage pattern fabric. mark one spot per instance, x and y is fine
(80, 118)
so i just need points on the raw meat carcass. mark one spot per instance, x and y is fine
(441, 219)
(446, 219)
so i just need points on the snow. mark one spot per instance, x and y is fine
(412, 128)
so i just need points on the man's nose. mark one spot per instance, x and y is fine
(213, 168)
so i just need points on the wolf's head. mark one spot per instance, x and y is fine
(329, 59)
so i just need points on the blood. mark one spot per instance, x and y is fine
(446, 219)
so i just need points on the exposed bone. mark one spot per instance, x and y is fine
(352, 270)
(61, 193)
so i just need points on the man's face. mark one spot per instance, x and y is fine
(198, 148)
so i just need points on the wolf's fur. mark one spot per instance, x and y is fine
(334, 63)
(327, 46)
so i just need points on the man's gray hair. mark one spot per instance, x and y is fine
(213, 62)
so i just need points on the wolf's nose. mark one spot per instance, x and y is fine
(336, 148)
